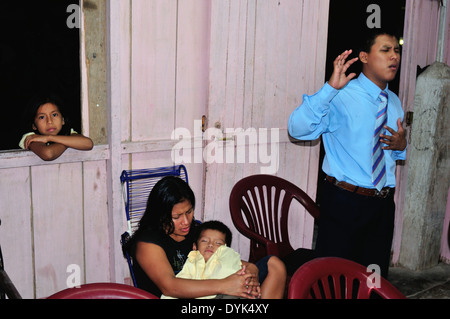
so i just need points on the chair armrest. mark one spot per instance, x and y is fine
(311, 207)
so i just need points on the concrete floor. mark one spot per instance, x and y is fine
(433, 283)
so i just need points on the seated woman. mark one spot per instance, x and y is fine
(166, 235)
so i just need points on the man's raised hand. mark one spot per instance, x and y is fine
(339, 79)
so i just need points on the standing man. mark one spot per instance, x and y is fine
(360, 121)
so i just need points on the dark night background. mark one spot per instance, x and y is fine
(38, 52)
(348, 25)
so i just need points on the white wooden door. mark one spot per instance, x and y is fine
(263, 56)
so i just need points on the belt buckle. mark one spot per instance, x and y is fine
(383, 193)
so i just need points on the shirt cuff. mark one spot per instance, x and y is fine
(399, 155)
(328, 92)
(320, 101)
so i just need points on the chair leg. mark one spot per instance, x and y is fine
(7, 286)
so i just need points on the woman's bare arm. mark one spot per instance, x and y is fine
(153, 261)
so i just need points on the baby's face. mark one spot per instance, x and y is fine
(210, 240)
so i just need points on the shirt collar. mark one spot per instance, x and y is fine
(370, 87)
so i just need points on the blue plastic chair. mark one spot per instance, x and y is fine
(136, 186)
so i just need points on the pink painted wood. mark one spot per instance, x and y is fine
(264, 56)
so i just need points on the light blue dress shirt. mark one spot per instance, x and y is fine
(346, 120)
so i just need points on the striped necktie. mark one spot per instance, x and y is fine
(378, 165)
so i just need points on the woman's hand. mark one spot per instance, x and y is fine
(253, 285)
(241, 285)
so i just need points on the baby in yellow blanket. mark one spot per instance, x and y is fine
(211, 258)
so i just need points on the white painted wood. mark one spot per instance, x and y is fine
(16, 232)
(153, 68)
(124, 66)
(97, 245)
(84, 75)
(116, 221)
(57, 225)
(258, 74)
(22, 158)
(192, 71)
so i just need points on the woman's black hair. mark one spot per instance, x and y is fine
(214, 225)
(166, 193)
(36, 102)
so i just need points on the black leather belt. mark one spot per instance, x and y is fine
(385, 192)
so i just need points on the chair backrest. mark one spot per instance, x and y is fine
(103, 291)
(136, 186)
(338, 278)
(259, 207)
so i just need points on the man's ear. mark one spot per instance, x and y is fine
(34, 127)
(363, 57)
(194, 246)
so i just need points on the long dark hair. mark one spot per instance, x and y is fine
(36, 102)
(157, 217)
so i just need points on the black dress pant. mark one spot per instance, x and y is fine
(356, 227)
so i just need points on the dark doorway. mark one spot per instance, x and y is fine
(38, 52)
(347, 26)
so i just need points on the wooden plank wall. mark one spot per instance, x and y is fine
(167, 64)
(54, 216)
(244, 64)
(70, 212)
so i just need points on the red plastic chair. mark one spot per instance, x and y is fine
(103, 291)
(337, 278)
(260, 206)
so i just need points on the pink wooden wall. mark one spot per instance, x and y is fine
(54, 216)
(270, 55)
(243, 64)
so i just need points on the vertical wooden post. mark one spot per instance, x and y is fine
(114, 164)
(429, 171)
